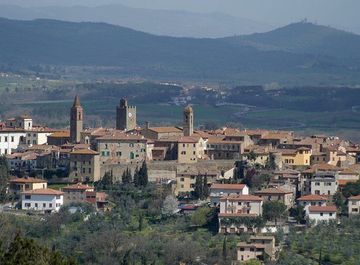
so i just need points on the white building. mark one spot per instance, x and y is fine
(219, 190)
(311, 200)
(47, 200)
(324, 185)
(322, 213)
(10, 140)
(354, 204)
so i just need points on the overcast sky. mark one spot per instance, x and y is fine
(339, 13)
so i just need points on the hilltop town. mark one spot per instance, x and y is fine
(248, 186)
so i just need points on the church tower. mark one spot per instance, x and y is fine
(76, 121)
(188, 121)
(125, 116)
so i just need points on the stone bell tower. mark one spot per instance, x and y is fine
(125, 116)
(76, 121)
(188, 121)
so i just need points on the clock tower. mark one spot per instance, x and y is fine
(125, 116)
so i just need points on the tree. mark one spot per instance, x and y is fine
(340, 202)
(106, 182)
(201, 216)
(224, 249)
(251, 156)
(206, 189)
(136, 177)
(270, 162)
(273, 210)
(4, 177)
(298, 213)
(199, 188)
(239, 170)
(143, 175)
(126, 176)
(170, 205)
(252, 262)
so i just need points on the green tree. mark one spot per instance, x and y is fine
(273, 210)
(136, 177)
(201, 216)
(199, 188)
(206, 189)
(270, 162)
(251, 156)
(224, 249)
(340, 202)
(126, 176)
(252, 262)
(4, 177)
(298, 213)
(143, 175)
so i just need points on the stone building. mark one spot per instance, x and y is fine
(84, 165)
(125, 116)
(76, 121)
(188, 121)
(190, 149)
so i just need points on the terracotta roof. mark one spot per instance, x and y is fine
(357, 198)
(43, 192)
(189, 139)
(273, 191)
(62, 134)
(84, 152)
(320, 209)
(343, 182)
(165, 129)
(312, 197)
(27, 180)
(322, 167)
(78, 186)
(228, 186)
(241, 198)
(237, 215)
(251, 245)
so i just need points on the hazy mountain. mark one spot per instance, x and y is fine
(50, 42)
(305, 38)
(159, 22)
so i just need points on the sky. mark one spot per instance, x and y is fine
(342, 14)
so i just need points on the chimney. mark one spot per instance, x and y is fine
(147, 125)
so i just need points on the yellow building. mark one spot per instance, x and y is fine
(296, 157)
(18, 185)
(190, 149)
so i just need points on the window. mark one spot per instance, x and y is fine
(12, 139)
(89, 171)
(194, 153)
(182, 179)
(317, 183)
(44, 205)
(242, 249)
(321, 214)
(58, 197)
(50, 205)
(330, 214)
(36, 205)
(83, 170)
(6, 139)
(27, 205)
(27, 197)
(118, 153)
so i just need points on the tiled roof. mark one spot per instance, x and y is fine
(343, 182)
(273, 191)
(228, 186)
(353, 198)
(321, 209)
(322, 167)
(27, 180)
(237, 215)
(251, 245)
(165, 129)
(189, 139)
(241, 198)
(84, 152)
(43, 192)
(78, 186)
(312, 197)
(62, 134)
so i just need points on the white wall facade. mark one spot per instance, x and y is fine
(321, 216)
(39, 202)
(9, 141)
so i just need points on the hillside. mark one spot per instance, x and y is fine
(305, 38)
(159, 22)
(51, 42)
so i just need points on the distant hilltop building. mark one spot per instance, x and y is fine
(125, 116)
(76, 121)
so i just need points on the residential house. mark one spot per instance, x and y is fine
(311, 200)
(318, 214)
(223, 190)
(354, 205)
(238, 206)
(45, 200)
(296, 157)
(219, 148)
(157, 133)
(324, 184)
(277, 194)
(76, 193)
(18, 185)
(256, 248)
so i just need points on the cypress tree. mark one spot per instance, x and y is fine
(143, 175)
(136, 177)
(198, 190)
